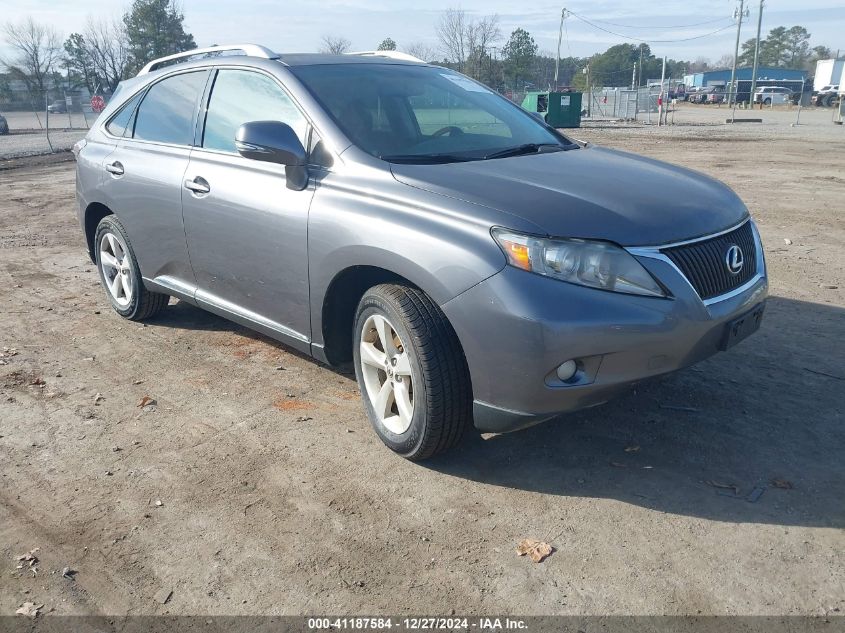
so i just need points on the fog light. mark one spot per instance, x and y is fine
(567, 370)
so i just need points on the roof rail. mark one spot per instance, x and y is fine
(252, 50)
(405, 57)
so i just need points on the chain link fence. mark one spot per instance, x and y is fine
(40, 124)
(626, 104)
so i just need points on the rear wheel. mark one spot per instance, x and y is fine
(120, 274)
(767, 101)
(411, 370)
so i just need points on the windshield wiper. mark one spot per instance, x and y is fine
(426, 159)
(525, 148)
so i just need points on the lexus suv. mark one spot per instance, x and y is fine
(474, 264)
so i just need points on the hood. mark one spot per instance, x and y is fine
(593, 192)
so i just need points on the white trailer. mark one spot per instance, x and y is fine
(828, 72)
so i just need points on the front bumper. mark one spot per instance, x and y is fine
(516, 328)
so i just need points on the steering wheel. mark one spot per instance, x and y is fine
(451, 129)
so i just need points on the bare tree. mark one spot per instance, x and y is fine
(422, 51)
(480, 35)
(451, 33)
(107, 45)
(725, 61)
(38, 52)
(334, 45)
(464, 41)
(699, 65)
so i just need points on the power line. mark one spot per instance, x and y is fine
(637, 39)
(676, 26)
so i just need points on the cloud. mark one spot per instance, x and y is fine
(300, 26)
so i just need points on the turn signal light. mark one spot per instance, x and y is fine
(518, 255)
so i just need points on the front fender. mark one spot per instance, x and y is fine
(438, 244)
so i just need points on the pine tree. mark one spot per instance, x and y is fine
(154, 29)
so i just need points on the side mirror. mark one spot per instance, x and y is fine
(274, 142)
(271, 142)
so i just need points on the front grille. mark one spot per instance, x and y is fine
(704, 263)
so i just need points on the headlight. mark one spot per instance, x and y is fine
(587, 263)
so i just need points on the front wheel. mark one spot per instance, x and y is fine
(411, 371)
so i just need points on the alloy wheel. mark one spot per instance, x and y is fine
(114, 266)
(386, 369)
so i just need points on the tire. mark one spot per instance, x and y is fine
(131, 300)
(428, 354)
(827, 101)
(767, 101)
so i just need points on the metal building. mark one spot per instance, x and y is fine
(723, 77)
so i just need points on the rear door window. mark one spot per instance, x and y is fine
(166, 115)
(240, 96)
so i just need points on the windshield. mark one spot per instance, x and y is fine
(424, 114)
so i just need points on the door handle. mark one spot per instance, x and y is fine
(197, 185)
(115, 168)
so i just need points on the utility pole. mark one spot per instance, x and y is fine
(732, 88)
(640, 76)
(559, 38)
(639, 82)
(589, 91)
(756, 56)
(634, 76)
(662, 94)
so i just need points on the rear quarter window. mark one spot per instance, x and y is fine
(121, 124)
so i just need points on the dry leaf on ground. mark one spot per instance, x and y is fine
(29, 557)
(146, 400)
(536, 550)
(163, 595)
(29, 609)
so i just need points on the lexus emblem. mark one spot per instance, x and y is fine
(734, 259)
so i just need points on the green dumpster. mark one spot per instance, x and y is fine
(558, 109)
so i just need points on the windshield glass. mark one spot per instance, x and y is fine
(418, 113)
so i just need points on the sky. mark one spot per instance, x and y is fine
(299, 26)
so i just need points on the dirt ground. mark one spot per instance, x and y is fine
(254, 485)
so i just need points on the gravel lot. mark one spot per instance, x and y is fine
(251, 489)
(18, 144)
(28, 137)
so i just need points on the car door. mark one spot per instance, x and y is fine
(246, 231)
(144, 176)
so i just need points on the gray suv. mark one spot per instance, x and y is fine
(475, 265)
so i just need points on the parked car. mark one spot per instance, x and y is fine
(469, 260)
(716, 95)
(57, 107)
(708, 94)
(4, 125)
(694, 95)
(773, 95)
